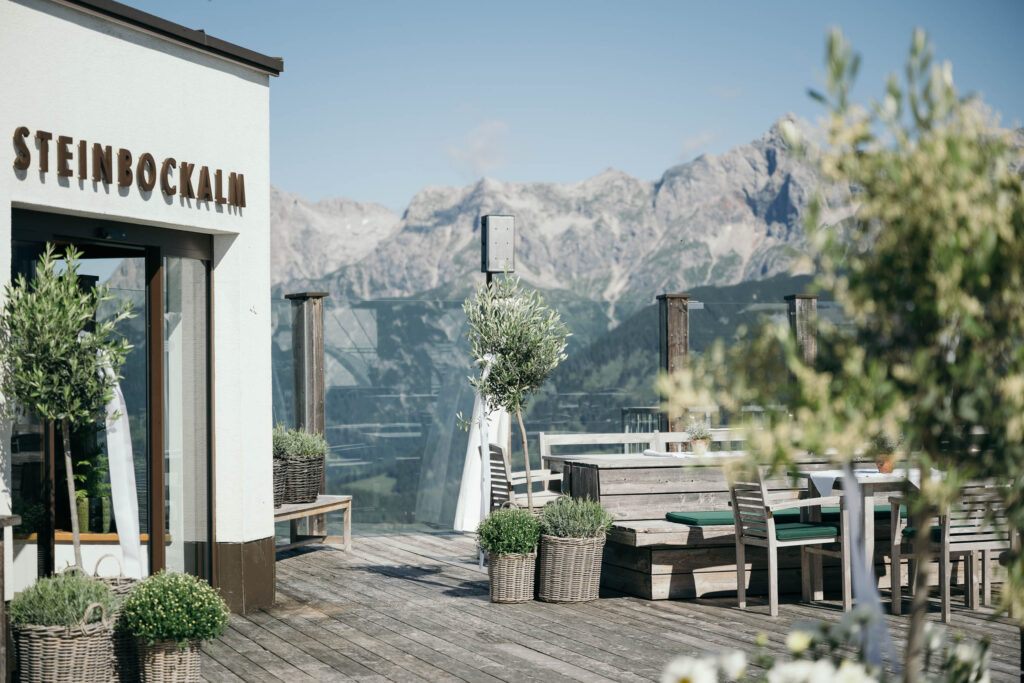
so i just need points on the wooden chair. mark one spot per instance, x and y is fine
(755, 524)
(974, 525)
(504, 481)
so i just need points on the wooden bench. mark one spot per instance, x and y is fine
(651, 557)
(323, 504)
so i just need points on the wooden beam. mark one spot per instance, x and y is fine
(674, 342)
(308, 370)
(803, 320)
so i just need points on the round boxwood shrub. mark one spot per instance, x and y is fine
(574, 518)
(172, 606)
(61, 600)
(509, 531)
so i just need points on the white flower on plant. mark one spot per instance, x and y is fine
(821, 670)
(733, 664)
(890, 105)
(690, 670)
(933, 637)
(967, 653)
(790, 133)
(853, 672)
(798, 641)
(801, 671)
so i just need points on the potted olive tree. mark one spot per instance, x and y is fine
(510, 538)
(56, 360)
(170, 615)
(527, 341)
(571, 545)
(62, 628)
(298, 465)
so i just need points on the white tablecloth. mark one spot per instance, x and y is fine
(690, 455)
(824, 480)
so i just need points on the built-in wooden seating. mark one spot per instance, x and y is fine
(648, 555)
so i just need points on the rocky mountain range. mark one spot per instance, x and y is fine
(612, 240)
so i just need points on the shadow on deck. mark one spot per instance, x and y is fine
(416, 608)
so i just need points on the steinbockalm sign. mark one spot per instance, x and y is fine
(99, 163)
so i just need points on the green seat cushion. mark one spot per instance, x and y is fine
(723, 517)
(936, 533)
(792, 531)
(701, 517)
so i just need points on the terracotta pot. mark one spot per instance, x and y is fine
(885, 462)
(699, 446)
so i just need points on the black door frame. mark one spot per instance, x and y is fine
(96, 235)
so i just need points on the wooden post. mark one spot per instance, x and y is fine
(803, 320)
(308, 371)
(674, 342)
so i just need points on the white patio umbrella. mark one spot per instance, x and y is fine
(475, 489)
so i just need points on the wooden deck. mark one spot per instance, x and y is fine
(415, 608)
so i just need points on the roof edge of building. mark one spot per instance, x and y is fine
(180, 34)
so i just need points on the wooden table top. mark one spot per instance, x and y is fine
(607, 461)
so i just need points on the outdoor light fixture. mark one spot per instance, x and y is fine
(497, 241)
(111, 234)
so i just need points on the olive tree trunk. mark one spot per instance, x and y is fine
(526, 457)
(69, 473)
(913, 659)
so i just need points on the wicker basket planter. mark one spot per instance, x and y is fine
(570, 568)
(279, 481)
(65, 654)
(511, 576)
(120, 585)
(302, 477)
(165, 661)
(126, 657)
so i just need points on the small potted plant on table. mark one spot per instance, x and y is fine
(885, 447)
(298, 465)
(510, 538)
(62, 628)
(170, 614)
(571, 545)
(700, 436)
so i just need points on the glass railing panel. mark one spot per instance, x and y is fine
(396, 377)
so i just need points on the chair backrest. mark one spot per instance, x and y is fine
(501, 477)
(749, 507)
(977, 517)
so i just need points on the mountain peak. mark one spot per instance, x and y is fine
(612, 239)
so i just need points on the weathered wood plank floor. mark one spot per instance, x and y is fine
(415, 608)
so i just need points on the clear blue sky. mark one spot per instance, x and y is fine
(380, 99)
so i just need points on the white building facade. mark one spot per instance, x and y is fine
(146, 146)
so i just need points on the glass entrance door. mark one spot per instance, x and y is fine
(38, 472)
(165, 387)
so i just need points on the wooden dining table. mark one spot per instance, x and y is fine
(870, 483)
